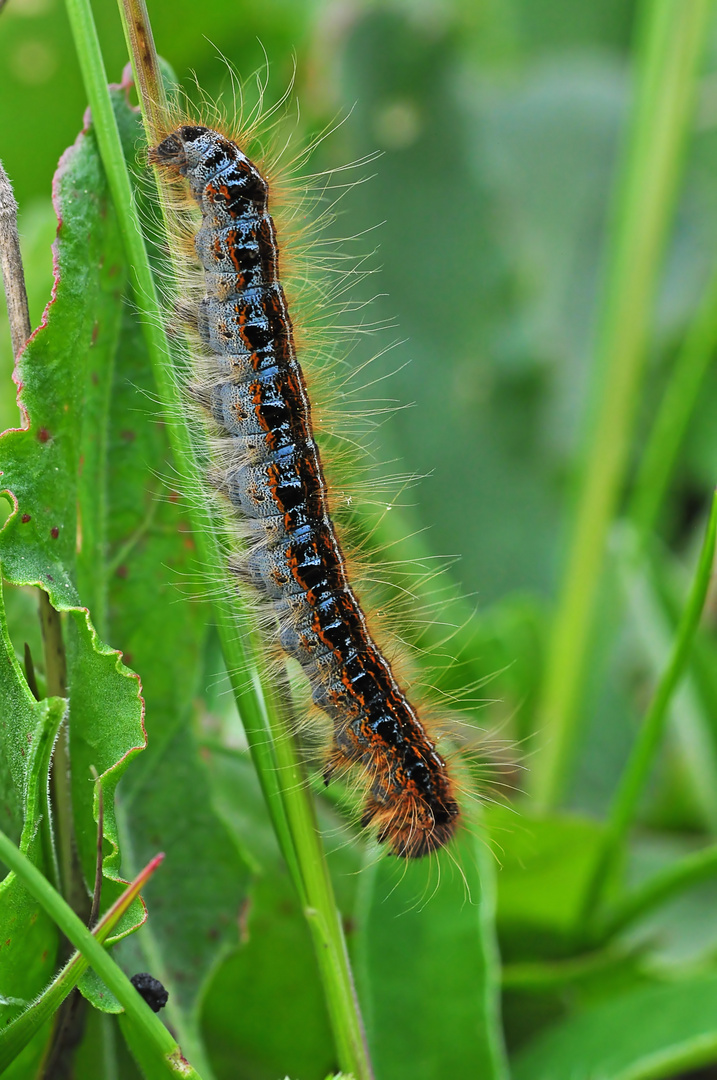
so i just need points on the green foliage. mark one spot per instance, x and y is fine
(17, 1033)
(30, 939)
(430, 924)
(502, 127)
(51, 540)
(620, 1039)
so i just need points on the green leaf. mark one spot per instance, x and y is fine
(54, 536)
(282, 1024)
(427, 965)
(195, 910)
(651, 1033)
(28, 938)
(77, 337)
(544, 867)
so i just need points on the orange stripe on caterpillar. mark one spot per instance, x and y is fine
(257, 397)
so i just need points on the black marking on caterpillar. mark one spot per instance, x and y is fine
(257, 398)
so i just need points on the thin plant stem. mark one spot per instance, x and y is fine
(97, 890)
(72, 881)
(693, 870)
(648, 740)
(259, 705)
(676, 408)
(321, 913)
(669, 50)
(154, 1033)
(12, 269)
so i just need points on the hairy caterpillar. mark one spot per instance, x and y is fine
(271, 474)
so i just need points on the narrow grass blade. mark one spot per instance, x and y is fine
(669, 50)
(676, 408)
(643, 753)
(18, 1033)
(675, 879)
(151, 1029)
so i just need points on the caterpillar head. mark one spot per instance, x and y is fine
(182, 149)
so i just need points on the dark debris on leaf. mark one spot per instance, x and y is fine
(151, 990)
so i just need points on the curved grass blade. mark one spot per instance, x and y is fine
(156, 1038)
(17, 1034)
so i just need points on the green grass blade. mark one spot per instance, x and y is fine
(694, 869)
(676, 408)
(154, 1034)
(670, 47)
(648, 740)
(18, 1032)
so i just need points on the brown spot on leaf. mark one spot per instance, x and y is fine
(243, 920)
(25, 518)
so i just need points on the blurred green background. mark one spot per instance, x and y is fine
(498, 124)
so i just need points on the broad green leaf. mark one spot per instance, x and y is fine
(52, 539)
(544, 863)
(427, 966)
(651, 1033)
(275, 965)
(282, 1024)
(77, 337)
(28, 936)
(195, 912)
